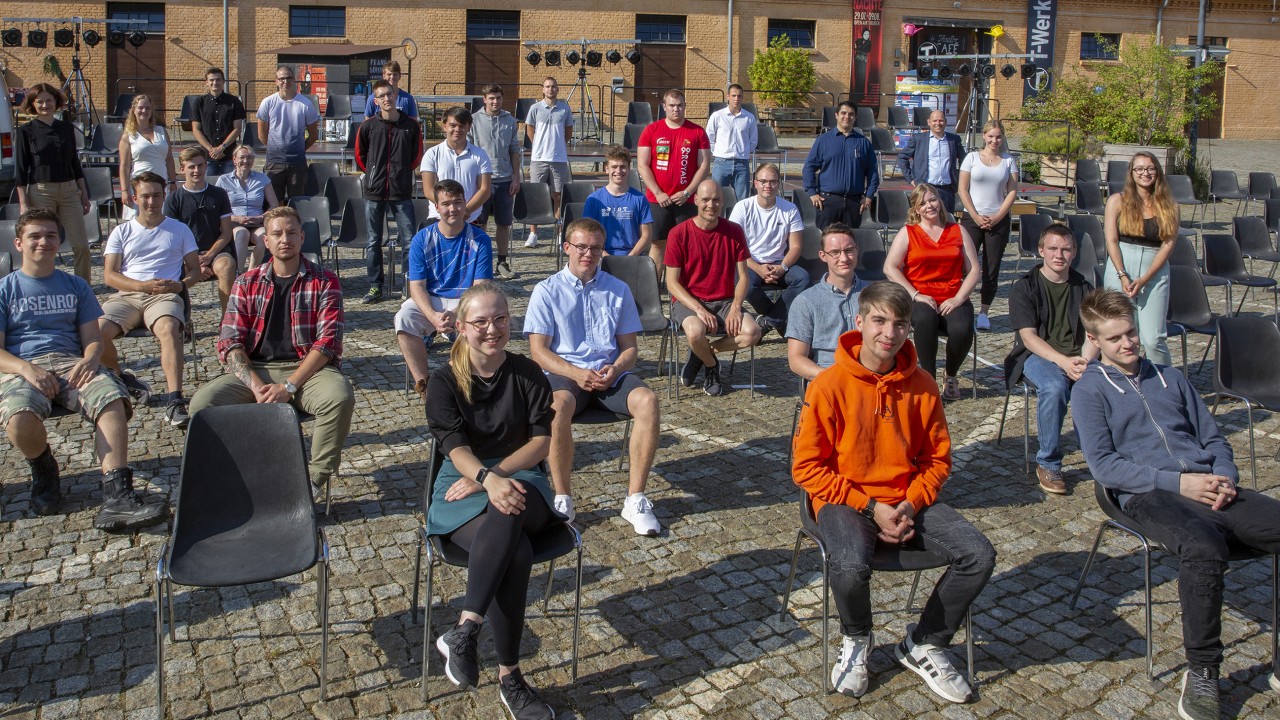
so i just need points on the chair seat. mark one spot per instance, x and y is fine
(1177, 328)
(599, 416)
(554, 542)
(1213, 280)
(219, 560)
(1270, 256)
(1249, 280)
(1267, 398)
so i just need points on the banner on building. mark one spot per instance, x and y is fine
(865, 82)
(1042, 23)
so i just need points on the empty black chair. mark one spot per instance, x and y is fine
(639, 112)
(251, 138)
(343, 189)
(866, 119)
(311, 245)
(124, 101)
(104, 146)
(1260, 186)
(523, 105)
(569, 211)
(338, 107)
(1086, 261)
(1089, 199)
(808, 213)
(102, 192)
(1223, 185)
(188, 112)
(1255, 241)
(1189, 310)
(634, 181)
(1184, 194)
(920, 117)
(871, 254)
(317, 209)
(1030, 226)
(829, 117)
(1246, 368)
(1087, 170)
(891, 209)
(767, 142)
(899, 117)
(631, 136)
(533, 205)
(1271, 215)
(353, 231)
(1090, 225)
(318, 174)
(243, 515)
(1222, 259)
(576, 192)
(712, 107)
(728, 198)
(1117, 171)
(9, 211)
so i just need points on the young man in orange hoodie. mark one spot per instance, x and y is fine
(872, 450)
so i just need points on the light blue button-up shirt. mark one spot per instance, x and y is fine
(583, 320)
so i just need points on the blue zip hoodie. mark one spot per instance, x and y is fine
(1139, 439)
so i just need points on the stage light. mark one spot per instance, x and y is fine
(91, 38)
(37, 38)
(924, 72)
(534, 57)
(1008, 71)
(593, 58)
(572, 57)
(613, 56)
(64, 38)
(633, 56)
(115, 38)
(1029, 71)
(137, 37)
(552, 58)
(944, 72)
(965, 70)
(11, 37)
(987, 71)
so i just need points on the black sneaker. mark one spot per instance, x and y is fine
(522, 701)
(766, 324)
(122, 508)
(458, 646)
(689, 373)
(176, 413)
(46, 484)
(139, 390)
(373, 296)
(711, 381)
(1200, 699)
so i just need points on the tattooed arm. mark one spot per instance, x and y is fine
(238, 364)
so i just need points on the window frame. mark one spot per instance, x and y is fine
(796, 24)
(301, 27)
(663, 37)
(1095, 50)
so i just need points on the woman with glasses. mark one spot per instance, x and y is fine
(988, 189)
(490, 413)
(144, 147)
(251, 195)
(1141, 224)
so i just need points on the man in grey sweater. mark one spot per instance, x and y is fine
(1149, 438)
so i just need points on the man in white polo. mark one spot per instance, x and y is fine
(458, 159)
(774, 233)
(549, 126)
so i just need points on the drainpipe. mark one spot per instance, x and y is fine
(728, 66)
(1160, 21)
(226, 61)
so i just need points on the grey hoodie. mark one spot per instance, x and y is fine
(1141, 439)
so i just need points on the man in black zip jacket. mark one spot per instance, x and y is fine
(388, 147)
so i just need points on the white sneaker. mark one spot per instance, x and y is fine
(532, 240)
(638, 511)
(1274, 681)
(983, 322)
(931, 663)
(849, 674)
(564, 506)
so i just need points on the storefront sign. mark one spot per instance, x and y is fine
(1042, 21)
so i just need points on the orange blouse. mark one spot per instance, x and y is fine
(935, 269)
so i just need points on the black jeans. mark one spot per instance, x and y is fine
(851, 540)
(928, 324)
(1198, 535)
(839, 208)
(990, 245)
(501, 558)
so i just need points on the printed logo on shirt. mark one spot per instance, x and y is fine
(686, 152)
(621, 213)
(43, 304)
(663, 149)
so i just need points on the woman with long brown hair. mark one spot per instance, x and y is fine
(1141, 225)
(144, 147)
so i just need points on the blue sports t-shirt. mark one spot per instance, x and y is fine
(43, 315)
(450, 265)
(621, 217)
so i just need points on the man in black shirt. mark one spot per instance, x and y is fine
(205, 209)
(218, 122)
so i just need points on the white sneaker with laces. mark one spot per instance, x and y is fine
(849, 674)
(931, 663)
(638, 511)
(532, 240)
(983, 322)
(564, 506)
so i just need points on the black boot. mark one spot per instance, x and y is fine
(46, 485)
(122, 508)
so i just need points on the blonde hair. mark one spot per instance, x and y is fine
(913, 215)
(995, 124)
(1166, 210)
(460, 354)
(131, 120)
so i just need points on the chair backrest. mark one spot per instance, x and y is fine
(97, 181)
(641, 276)
(1246, 359)
(1271, 214)
(106, 138)
(1260, 184)
(93, 224)
(639, 112)
(751, 108)
(920, 116)
(318, 174)
(634, 181)
(1089, 198)
(8, 232)
(1091, 226)
(251, 138)
(898, 117)
(576, 191)
(338, 107)
(569, 211)
(829, 117)
(871, 253)
(866, 118)
(6, 262)
(352, 129)
(1251, 234)
(188, 111)
(312, 248)
(1188, 302)
(1086, 259)
(342, 189)
(1117, 170)
(1180, 188)
(810, 242)
(1088, 170)
(882, 140)
(533, 201)
(317, 209)
(354, 225)
(891, 207)
(1184, 253)
(1029, 228)
(124, 101)
(10, 211)
(728, 198)
(1223, 183)
(631, 136)
(228, 485)
(808, 213)
(712, 107)
(1222, 256)
(522, 108)
(766, 139)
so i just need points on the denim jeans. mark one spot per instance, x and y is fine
(1152, 300)
(220, 167)
(1197, 534)
(793, 283)
(851, 540)
(733, 173)
(1053, 392)
(375, 211)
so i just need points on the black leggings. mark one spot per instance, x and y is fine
(990, 245)
(927, 324)
(501, 558)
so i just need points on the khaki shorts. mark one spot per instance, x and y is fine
(17, 395)
(132, 310)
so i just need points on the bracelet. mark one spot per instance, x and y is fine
(1122, 274)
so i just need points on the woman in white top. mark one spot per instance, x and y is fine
(144, 147)
(251, 195)
(988, 188)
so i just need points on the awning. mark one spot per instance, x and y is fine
(950, 22)
(326, 49)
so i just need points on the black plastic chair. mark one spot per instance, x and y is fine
(808, 213)
(639, 112)
(631, 136)
(104, 145)
(1222, 259)
(1118, 520)
(641, 277)
(871, 254)
(1089, 198)
(899, 118)
(569, 211)
(1223, 185)
(886, 558)
(829, 118)
(1260, 186)
(728, 198)
(1088, 171)
(554, 542)
(338, 107)
(886, 150)
(1117, 171)
(920, 117)
(1184, 194)
(353, 231)
(712, 107)
(312, 247)
(1189, 310)
(102, 192)
(1030, 226)
(251, 139)
(187, 113)
(1271, 215)
(1246, 368)
(533, 205)
(243, 515)
(1251, 234)
(576, 192)
(1091, 226)
(318, 174)
(1086, 261)
(317, 209)
(124, 101)
(865, 120)
(891, 210)
(523, 105)
(767, 142)
(340, 190)
(633, 180)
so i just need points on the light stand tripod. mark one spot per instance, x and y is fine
(588, 121)
(76, 88)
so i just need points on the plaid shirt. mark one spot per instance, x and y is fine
(315, 318)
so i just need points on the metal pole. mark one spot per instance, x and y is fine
(728, 63)
(226, 45)
(1194, 134)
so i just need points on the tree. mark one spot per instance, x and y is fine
(781, 75)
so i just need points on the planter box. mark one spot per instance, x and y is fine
(1125, 152)
(1058, 172)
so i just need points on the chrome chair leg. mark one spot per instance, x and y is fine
(546, 595)
(795, 557)
(1088, 563)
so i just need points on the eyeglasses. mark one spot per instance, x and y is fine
(1148, 170)
(500, 322)
(850, 252)
(382, 96)
(767, 182)
(586, 249)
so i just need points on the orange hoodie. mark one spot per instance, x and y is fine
(866, 435)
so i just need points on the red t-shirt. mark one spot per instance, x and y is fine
(675, 154)
(708, 259)
(935, 269)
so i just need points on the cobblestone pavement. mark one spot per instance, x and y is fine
(683, 626)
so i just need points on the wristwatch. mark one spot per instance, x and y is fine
(290, 388)
(869, 512)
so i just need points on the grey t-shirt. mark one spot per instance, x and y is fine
(548, 131)
(497, 136)
(820, 315)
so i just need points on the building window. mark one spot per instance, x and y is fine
(660, 29)
(151, 14)
(311, 21)
(1100, 46)
(493, 25)
(799, 32)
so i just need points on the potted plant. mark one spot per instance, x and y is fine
(1057, 147)
(780, 77)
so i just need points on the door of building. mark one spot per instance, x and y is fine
(661, 67)
(138, 69)
(494, 61)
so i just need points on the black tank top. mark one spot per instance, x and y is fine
(1150, 234)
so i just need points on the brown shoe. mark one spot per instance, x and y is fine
(1051, 480)
(420, 387)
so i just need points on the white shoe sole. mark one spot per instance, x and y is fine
(1274, 682)
(929, 680)
(643, 532)
(443, 647)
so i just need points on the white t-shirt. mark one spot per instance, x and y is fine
(548, 131)
(767, 230)
(154, 254)
(987, 185)
(466, 167)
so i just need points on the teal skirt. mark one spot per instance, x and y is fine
(444, 516)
